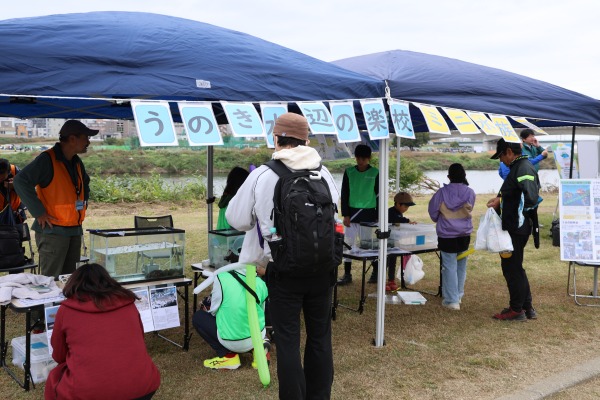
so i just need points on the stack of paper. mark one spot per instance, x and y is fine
(412, 298)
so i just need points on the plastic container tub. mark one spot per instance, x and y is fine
(40, 359)
(414, 237)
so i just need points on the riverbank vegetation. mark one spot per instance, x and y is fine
(135, 175)
(178, 161)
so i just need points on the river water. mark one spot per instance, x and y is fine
(482, 182)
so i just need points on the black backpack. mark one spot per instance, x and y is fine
(304, 216)
(12, 253)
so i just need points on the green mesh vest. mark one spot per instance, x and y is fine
(362, 187)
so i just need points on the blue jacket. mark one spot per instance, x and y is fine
(451, 208)
(534, 153)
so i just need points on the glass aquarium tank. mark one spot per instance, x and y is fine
(224, 246)
(139, 254)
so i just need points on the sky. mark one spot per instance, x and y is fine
(553, 41)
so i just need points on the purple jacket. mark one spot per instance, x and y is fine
(451, 208)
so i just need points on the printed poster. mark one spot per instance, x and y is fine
(163, 305)
(50, 315)
(143, 306)
(562, 157)
(579, 202)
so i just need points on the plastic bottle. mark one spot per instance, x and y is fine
(339, 227)
(274, 236)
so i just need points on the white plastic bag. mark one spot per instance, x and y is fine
(490, 235)
(482, 231)
(413, 272)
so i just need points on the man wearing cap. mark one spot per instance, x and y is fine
(532, 149)
(250, 210)
(402, 201)
(517, 199)
(55, 188)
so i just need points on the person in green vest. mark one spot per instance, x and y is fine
(360, 188)
(235, 178)
(222, 321)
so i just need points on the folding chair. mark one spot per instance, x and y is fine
(30, 264)
(165, 221)
(593, 294)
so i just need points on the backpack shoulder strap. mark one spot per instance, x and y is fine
(278, 167)
(281, 170)
(245, 285)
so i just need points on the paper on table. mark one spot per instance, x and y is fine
(143, 306)
(412, 297)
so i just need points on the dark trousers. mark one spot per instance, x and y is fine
(515, 275)
(206, 326)
(391, 265)
(289, 297)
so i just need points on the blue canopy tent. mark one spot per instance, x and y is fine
(446, 82)
(88, 65)
(91, 65)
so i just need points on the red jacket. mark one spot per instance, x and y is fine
(101, 353)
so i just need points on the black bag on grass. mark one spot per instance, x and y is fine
(555, 233)
(12, 254)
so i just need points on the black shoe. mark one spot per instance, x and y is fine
(372, 279)
(345, 280)
(508, 314)
(530, 313)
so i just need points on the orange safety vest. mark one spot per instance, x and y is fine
(60, 195)
(15, 200)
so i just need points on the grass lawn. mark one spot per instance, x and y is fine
(430, 352)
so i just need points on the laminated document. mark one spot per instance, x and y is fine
(412, 298)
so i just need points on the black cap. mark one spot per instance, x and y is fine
(74, 127)
(502, 145)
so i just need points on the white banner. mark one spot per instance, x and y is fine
(243, 119)
(344, 119)
(400, 115)
(270, 112)
(375, 119)
(200, 123)
(154, 123)
(318, 117)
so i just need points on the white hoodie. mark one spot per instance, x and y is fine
(254, 201)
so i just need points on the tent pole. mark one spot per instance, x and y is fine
(572, 153)
(383, 227)
(397, 163)
(209, 185)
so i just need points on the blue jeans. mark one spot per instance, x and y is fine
(454, 274)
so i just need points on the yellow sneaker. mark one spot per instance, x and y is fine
(223, 362)
(267, 347)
